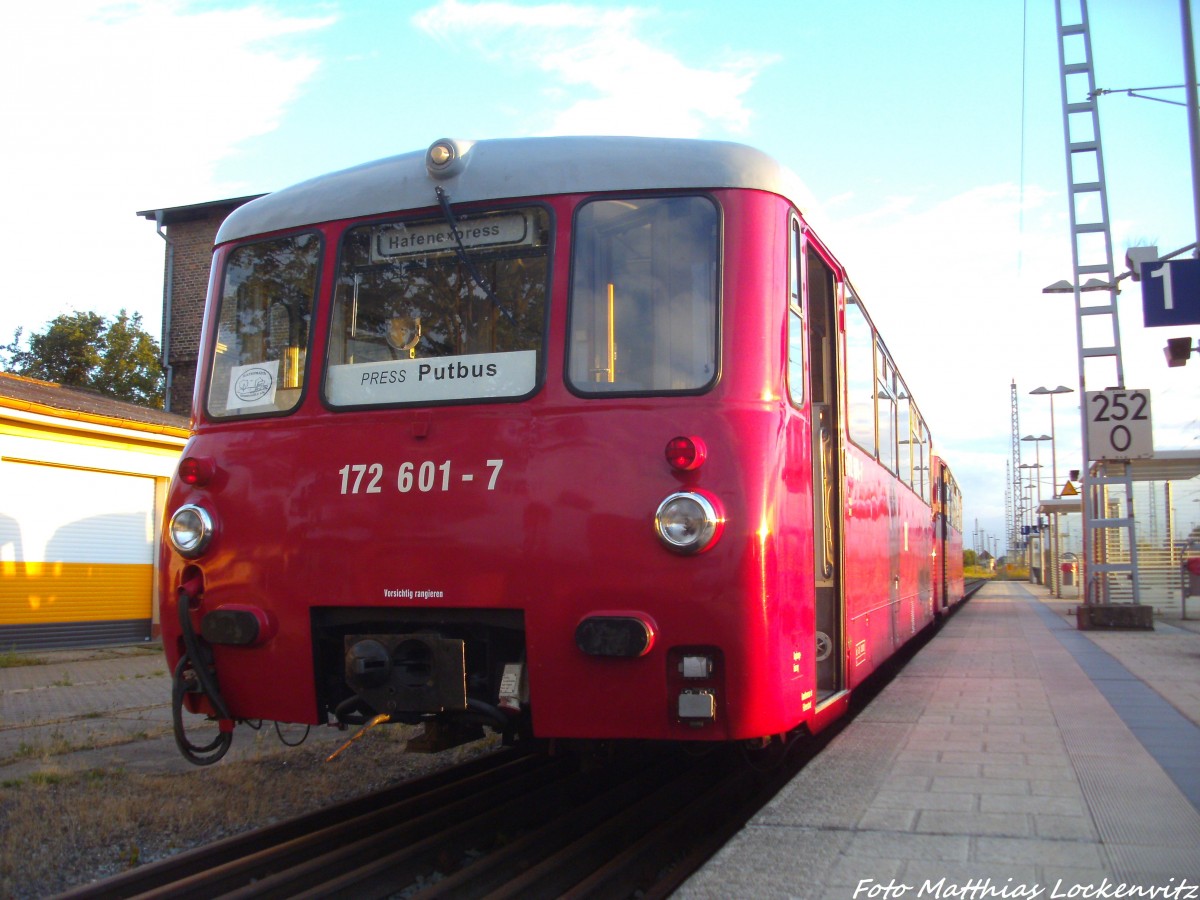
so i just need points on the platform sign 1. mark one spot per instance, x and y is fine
(1118, 424)
(1171, 292)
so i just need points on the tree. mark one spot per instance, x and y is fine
(85, 350)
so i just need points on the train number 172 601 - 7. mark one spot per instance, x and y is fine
(426, 476)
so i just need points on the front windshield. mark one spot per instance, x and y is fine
(413, 324)
(262, 328)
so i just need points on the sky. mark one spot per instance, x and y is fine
(929, 133)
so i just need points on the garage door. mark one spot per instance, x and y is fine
(77, 554)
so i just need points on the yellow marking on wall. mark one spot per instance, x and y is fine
(40, 592)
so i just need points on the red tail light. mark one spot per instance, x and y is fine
(196, 470)
(686, 453)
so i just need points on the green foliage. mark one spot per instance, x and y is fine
(11, 659)
(85, 350)
(969, 558)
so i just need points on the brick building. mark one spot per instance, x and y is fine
(189, 232)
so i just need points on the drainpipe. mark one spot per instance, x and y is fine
(168, 292)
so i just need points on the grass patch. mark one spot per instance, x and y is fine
(57, 745)
(62, 830)
(48, 778)
(60, 744)
(13, 659)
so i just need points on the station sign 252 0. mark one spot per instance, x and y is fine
(1118, 424)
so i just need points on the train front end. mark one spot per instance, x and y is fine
(475, 460)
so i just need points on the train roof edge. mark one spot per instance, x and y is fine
(502, 168)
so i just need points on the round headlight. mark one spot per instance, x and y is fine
(190, 530)
(447, 157)
(687, 522)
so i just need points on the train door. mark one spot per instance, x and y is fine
(940, 537)
(820, 290)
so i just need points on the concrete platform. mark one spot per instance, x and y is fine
(1013, 757)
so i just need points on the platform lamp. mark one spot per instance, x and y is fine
(1061, 389)
(1037, 455)
(1031, 471)
(1055, 575)
(1066, 287)
(1037, 519)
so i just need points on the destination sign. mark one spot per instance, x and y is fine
(389, 242)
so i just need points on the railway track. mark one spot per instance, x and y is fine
(512, 824)
(509, 825)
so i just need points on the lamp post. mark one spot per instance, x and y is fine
(1055, 574)
(1061, 389)
(1037, 520)
(1033, 470)
(1037, 447)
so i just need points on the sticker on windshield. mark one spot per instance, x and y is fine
(253, 385)
(480, 376)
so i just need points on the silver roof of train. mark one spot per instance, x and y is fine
(516, 167)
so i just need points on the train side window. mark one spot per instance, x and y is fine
(821, 287)
(644, 297)
(795, 316)
(263, 326)
(860, 375)
(920, 456)
(886, 409)
(905, 458)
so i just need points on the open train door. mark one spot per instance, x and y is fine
(941, 534)
(821, 292)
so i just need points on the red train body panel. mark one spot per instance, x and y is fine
(498, 557)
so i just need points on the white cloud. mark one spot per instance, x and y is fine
(112, 105)
(616, 82)
(963, 273)
(954, 286)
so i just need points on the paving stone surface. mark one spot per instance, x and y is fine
(1013, 757)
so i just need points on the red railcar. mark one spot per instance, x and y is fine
(947, 536)
(582, 437)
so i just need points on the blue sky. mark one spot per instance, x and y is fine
(929, 133)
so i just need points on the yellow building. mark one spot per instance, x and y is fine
(83, 482)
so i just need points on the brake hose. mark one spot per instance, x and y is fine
(194, 659)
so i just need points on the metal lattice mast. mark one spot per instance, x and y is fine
(1008, 502)
(1098, 335)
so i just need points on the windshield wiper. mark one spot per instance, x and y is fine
(461, 252)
